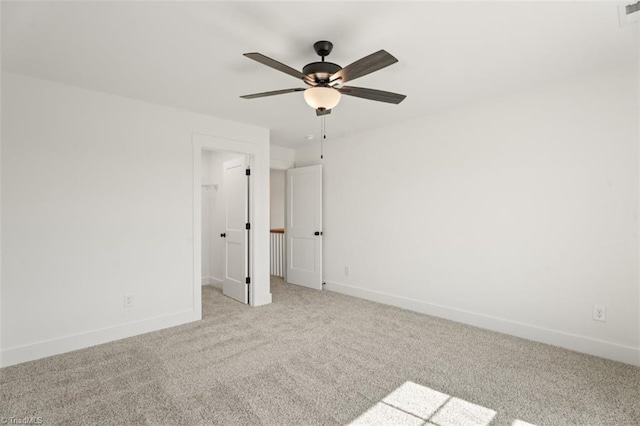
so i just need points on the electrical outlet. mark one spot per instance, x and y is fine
(347, 270)
(599, 313)
(128, 300)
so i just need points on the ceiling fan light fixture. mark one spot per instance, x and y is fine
(327, 79)
(322, 97)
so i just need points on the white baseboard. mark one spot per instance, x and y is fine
(587, 345)
(212, 281)
(17, 355)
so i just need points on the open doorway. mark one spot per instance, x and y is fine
(277, 210)
(224, 217)
(296, 225)
(303, 226)
(257, 236)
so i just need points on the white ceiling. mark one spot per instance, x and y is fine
(189, 55)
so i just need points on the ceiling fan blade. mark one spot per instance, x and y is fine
(364, 66)
(275, 92)
(265, 60)
(321, 112)
(372, 94)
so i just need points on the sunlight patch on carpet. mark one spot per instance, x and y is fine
(414, 404)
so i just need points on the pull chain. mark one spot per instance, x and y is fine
(323, 135)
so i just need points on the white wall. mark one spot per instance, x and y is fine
(282, 158)
(515, 214)
(213, 215)
(277, 198)
(97, 201)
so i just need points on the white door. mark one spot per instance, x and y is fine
(235, 268)
(304, 226)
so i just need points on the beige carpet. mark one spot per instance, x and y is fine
(321, 358)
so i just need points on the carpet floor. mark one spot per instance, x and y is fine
(316, 358)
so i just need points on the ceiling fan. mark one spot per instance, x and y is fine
(326, 79)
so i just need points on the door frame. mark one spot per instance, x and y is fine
(259, 288)
(315, 169)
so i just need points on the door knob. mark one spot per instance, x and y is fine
(317, 233)
(223, 235)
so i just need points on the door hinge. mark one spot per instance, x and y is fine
(247, 280)
(248, 172)
(247, 226)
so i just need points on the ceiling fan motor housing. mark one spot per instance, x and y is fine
(321, 71)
